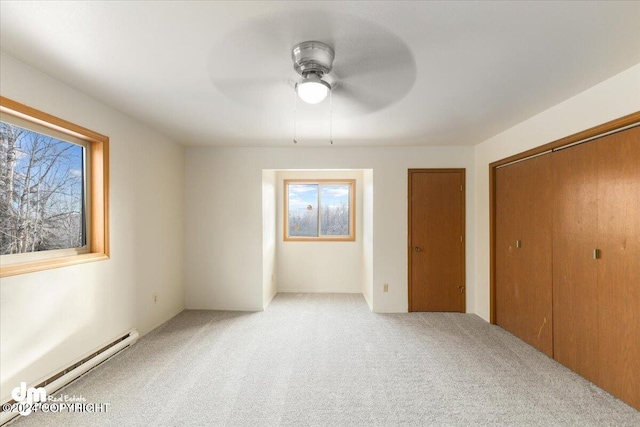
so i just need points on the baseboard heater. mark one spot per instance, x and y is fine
(77, 369)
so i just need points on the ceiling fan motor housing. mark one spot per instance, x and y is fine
(312, 57)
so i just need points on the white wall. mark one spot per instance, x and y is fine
(224, 217)
(49, 319)
(367, 236)
(319, 266)
(268, 236)
(611, 99)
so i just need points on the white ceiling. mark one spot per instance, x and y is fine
(408, 73)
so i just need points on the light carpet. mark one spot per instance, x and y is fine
(326, 360)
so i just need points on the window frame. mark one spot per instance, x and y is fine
(96, 189)
(320, 238)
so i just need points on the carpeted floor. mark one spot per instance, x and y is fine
(325, 360)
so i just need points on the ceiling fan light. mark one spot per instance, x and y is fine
(312, 91)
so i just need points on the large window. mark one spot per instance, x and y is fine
(319, 210)
(53, 191)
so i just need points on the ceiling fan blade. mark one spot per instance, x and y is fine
(364, 99)
(259, 93)
(377, 71)
(378, 55)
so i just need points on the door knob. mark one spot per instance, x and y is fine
(417, 249)
(461, 289)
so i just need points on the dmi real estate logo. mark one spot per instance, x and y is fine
(32, 399)
(28, 397)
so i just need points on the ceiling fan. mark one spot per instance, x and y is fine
(364, 66)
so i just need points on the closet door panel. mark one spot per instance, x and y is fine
(506, 207)
(619, 264)
(575, 287)
(507, 210)
(523, 251)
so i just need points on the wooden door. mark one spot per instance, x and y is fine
(575, 271)
(523, 251)
(436, 240)
(619, 264)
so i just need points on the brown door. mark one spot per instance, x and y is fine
(575, 273)
(436, 240)
(523, 267)
(619, 264)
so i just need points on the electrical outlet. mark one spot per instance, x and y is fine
(155, 298)
(385, 288)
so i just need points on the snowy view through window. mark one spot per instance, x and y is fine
(41, 192)
(326, 205)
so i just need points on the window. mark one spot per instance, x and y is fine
(320, 210)
(53, 192)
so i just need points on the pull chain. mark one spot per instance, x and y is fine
(295, 111)
(295, 108)
(330, 118)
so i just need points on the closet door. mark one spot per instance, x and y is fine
(523, 251)
(575, 271)
(619, 264)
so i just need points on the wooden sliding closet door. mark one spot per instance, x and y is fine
(583, 202)
(523, 251)
(619, 264)
(575, 273)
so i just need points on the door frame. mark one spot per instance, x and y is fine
(463, 171)
(577, 138)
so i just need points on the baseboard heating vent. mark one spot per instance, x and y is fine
(62, 378)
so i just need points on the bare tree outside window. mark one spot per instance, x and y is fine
(319, 210)
(334, 200)
(41, 192)
(303, 210)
